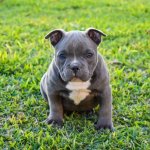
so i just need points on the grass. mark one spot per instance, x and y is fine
(25, 56)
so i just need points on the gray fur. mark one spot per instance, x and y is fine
(76, 44)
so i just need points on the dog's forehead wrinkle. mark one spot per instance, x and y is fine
(75, 37)
(75, 41)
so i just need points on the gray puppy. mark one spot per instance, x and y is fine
(77, 78)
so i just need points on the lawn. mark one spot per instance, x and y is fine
(25, 56)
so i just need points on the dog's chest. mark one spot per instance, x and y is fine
(79, 90)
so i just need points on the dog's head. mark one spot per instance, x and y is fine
(75, 52)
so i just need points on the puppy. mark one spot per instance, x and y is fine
(77, 78)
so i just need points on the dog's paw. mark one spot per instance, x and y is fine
(52, 121)
(104, 125)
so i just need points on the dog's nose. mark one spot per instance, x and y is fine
(75, 68)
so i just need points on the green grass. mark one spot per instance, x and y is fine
(25, 56)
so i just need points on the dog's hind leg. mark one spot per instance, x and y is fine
(43, 87)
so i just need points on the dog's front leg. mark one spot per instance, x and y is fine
(56, 110)
(105, 112)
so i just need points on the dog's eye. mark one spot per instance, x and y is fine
(89, 55)
(62, 56)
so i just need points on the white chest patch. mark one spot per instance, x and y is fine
(79, 90)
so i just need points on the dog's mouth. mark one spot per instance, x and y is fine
(75, 77)
(67, 75)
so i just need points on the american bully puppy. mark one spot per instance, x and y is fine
(77, 78)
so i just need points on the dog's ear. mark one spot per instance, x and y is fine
(95, 35)
(55, 36)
